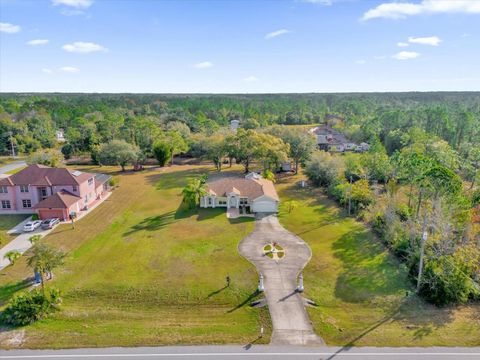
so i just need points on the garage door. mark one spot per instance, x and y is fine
(50, 213)
(264, 206)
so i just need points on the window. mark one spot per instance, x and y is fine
(27, 203)
(210, 201)
(24, 188)
(6, 204)
(43, 192)
(243, 201)
(90, 181)
(222, 202)
(74, 188)
(3, 189)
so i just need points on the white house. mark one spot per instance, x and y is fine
(252, 193)
(234, 124)
(60, 135)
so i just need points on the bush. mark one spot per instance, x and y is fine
(403, 211)
(113, 182)
(26, 308)
(324, 169)
(48, 157)
(12, 256)
(162, 152)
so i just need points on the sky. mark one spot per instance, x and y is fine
(284, 46)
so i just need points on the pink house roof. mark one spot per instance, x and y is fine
(60, 200)
(40, 175)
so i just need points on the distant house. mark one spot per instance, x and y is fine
(51, 192)
(60, 135)
(330, 139)
(234, 124)
(251, 193)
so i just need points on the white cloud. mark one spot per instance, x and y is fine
(402, 44)
(401, 10)
(273, 34)
(47, 71)
(9, 28)
(78, 4)
(37, 42)
(83, 47)
(430, 40)
(406, 55)
(361, 62)
(69, 69)
(250, 79)
(464, 35)
(203, 65)
(379, 57)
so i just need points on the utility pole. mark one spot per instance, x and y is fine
(422, 251)
(11, 143)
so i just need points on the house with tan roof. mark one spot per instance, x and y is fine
(51, 192)
(251, 193)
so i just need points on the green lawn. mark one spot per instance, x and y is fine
(142, 270)
(360, 288)
(6, 223)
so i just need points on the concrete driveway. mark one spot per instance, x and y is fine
(20, 243)
(291, 324)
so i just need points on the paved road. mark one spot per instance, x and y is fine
(291, 324)
(253, 352)
(12, 166)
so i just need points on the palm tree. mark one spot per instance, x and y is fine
(12, 256)
(193, 192)
(44, 259)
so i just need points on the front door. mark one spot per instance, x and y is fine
(233, 202)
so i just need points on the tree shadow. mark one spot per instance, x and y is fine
(246, 301)
(153, 223)
(368, 269)
(7, 291)
(397, 314)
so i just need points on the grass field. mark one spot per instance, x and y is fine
(361, 288)
(142, 270)
(6, 223)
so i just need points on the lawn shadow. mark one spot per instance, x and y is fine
(369, 270)
(153, 223)
(397, 314)
(249, 298)
(7, 291)
(213, 293)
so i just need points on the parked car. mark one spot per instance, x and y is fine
(32, 225)
(50, 223)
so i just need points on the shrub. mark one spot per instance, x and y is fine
(12, 256)
(162, 152)
(26, 308)
(113, 182)
(403, 211)
(48, 157)
(324, 169)
(34, 239)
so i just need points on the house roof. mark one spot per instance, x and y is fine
(101, 179)
(41, 175)
(332, 136)
(60, 200)
(250, 188)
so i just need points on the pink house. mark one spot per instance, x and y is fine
(51, 192)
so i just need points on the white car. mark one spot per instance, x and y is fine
(31, 225)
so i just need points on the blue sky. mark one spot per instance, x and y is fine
(239, 46)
